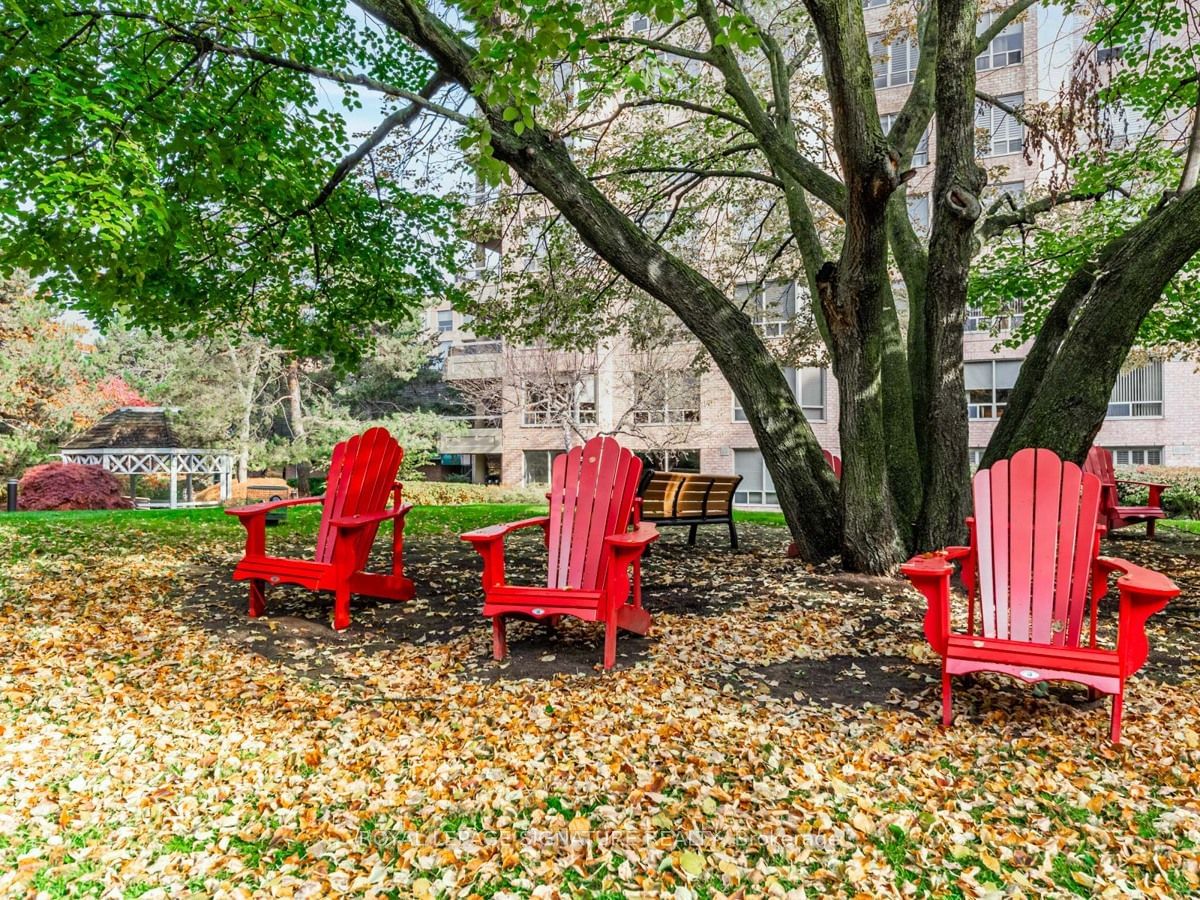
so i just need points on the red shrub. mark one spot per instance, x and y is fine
(70, 486)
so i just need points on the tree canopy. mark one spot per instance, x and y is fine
(177, 163)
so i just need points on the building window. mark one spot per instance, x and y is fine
(1109, 55)
(564, 400)
(808, 386)
(445, 320)
(1007, 319)
(1006, 49)
(895, 63)
(666, 398)
(1138, 393)
(1136, 456)
(921, 154)
(756, 488)
(538, 465)
(1004, 133)
(989, 385)
(918, 212)
(1012, 189)
(976, 454)
(771, 308)
(638, 23)
(537, 244)
(670, 460)
(1122, 126)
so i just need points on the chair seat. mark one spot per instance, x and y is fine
(543, 601)
(280, 570)
(1140, 512)
(1094, 666)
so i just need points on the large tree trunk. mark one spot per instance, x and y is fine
(958, 181)
(853, 291)
(899, 425)
(1061, 396)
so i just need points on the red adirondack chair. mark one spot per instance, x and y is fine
(362, 475)
(835, 463)
(590, 549)
(1034, 554)
(1100, 463)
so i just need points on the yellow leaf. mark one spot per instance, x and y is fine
(709, 805)
(691, 863)
(579, 825)
(990, 861)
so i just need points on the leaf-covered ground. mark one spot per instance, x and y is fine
(776, 735)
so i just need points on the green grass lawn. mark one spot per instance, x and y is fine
(127, 531)
(1192, 526)
(28, 534)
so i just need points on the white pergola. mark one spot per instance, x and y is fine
(107, 444)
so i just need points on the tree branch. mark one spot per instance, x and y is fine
(659, 46)
(1027, 214)
(399, 118)
(688, 170)
(998, 24)
(206, 44)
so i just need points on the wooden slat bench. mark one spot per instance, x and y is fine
(688, 498)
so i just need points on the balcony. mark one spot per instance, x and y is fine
(482, 435)
(472, 360)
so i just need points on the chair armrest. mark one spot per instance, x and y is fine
(243, 512)
(930, 574)
(494, 532)
(1149, 484)
(348, 523)
(1143, 593)
(1139, 583)
(637, 540)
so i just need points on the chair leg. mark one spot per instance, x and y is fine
(258, 597)
(610, 642)
(692, 536)
(947, 699)
(732, 534)
(499, 638)
(341, 609)
(1114, 729)
(1150, 528)
(637, 583)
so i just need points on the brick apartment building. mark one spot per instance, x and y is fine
(1154, 414)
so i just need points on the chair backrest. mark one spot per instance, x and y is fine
(835, 463)
(362, 473)
(1100, 463)
(1035, 539)
(591, 496)
(659, 493)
